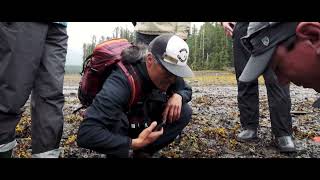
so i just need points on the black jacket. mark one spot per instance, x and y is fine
(105, 125)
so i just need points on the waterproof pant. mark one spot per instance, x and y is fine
(32, 60)
(248, 93)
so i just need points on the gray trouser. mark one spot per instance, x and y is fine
(248, 94)
(32, 60)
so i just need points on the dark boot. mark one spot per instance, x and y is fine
(247, 135)
(285, 144)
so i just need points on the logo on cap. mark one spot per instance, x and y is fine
(183, 55)
(265, 41)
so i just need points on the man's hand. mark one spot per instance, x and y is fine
(146, 137)
(173, 108)
(228, 28)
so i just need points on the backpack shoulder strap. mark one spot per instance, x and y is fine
(85, 63)
(137, 83)
(134, 83)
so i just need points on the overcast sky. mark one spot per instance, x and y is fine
(81, 32)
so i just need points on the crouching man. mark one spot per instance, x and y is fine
(112, 127)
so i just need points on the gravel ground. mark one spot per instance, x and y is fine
(211, 132)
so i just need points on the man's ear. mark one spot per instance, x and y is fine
(309, 31)
(149, 60)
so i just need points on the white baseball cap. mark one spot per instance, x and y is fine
(172, 53)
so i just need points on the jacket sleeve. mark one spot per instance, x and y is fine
(105, 118)
(182, 88)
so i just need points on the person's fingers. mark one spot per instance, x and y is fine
(228, 33)
(160, 132)
(165, 112)
(156, 134)
(174, 115)
(151, 127)
(178, 110)
(229, 29)
(171, 114)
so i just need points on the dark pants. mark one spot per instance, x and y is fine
(248, 93)
(170, 131)
(32, 60)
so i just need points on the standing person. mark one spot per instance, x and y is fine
(293, 52)
(32, 58)
(248, 96)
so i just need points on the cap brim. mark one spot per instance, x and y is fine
(256, 66)
(180, 71)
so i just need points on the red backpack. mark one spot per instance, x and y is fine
(99, 65)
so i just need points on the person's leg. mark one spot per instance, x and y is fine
(47, 99)
(248, 94)
(279, 107)
(170, 131)
(20, 44)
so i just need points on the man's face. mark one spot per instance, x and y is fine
(158, 74)
(300, 64)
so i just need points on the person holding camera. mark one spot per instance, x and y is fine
(112, 128)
